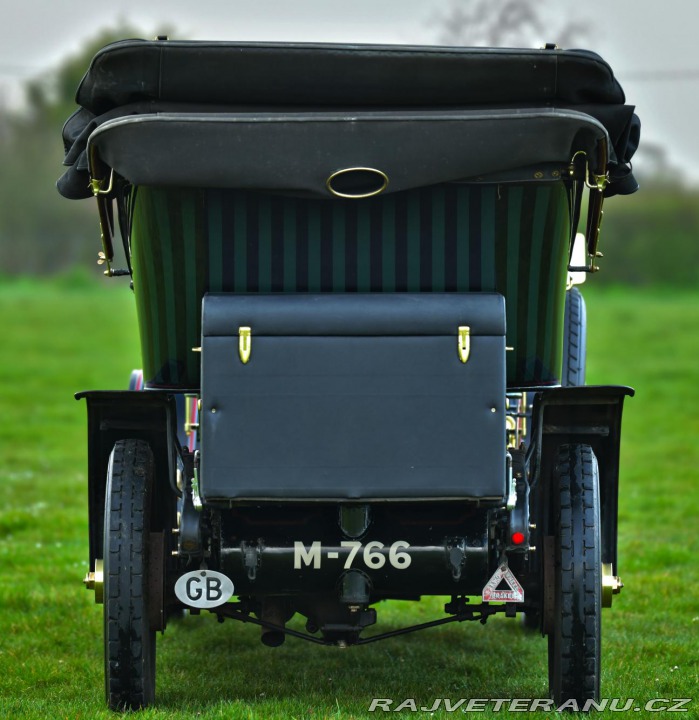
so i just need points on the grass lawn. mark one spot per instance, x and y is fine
(63, 337)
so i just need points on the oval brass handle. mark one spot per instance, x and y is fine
(357, 182)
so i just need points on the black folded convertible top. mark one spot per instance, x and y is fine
(342, 75)
(158, 80)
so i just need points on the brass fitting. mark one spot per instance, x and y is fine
(95, 581)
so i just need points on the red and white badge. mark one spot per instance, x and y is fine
(503, 587)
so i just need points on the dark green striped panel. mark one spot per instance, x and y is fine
(509, 238)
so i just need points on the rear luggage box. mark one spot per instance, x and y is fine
(353, 397)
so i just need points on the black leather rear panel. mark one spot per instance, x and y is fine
(333, 417)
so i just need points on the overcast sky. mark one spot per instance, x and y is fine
(645, 41)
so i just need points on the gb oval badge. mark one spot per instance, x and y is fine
(204, 588)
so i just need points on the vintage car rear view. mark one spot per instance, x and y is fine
(363, 348)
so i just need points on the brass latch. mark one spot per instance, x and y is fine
(464, 342)
(244, 343)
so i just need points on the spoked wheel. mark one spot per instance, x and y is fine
(574, 339)
(574, 638)
(129, 641)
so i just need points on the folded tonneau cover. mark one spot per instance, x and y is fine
(297, 153)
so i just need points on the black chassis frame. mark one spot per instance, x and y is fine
(588, 415)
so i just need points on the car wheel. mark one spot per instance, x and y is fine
(574, 639)
(574, 339)
(129, 641)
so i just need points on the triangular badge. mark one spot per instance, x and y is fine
(503, 587)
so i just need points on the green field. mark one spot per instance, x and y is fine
(66, 336)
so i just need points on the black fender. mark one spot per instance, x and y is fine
(587, 414)
(122, 415)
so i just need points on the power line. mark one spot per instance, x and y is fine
(688, 75)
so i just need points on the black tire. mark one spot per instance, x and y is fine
(574, 640)
(129, 641)
(574, 339)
